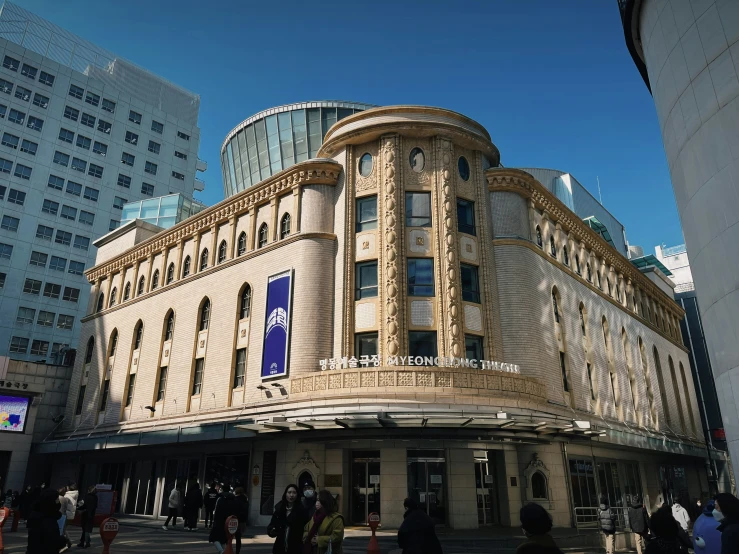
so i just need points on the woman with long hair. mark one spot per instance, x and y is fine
(325, 529)
(287, 523)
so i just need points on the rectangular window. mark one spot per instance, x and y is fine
(473, 347)
(38, 259)
(44, 232)
(180, 155)
(39, 347)
(104, 395)
(71, 113)
(104, 126)
(5, 165)
(29, 147)
(10, 223)
(95, 171)
(366, 213)
(156, 126)
(23, 171)
(240, 368)
(91, 194)
(124, 181)
(118, 202)
(2, 192)
(197, 381)
(470, 283)
(11, 141)
(366, 280)
(154, 147)
(88, 218)
(63, 237)
(420, 277)
(422, 343)
(68, 212)
(52, 290)
(58, 263)
(29, 71)
(64, 321)
(129, 389)
(365, 344)
(563, 367)
(100, 148)
(108, 105)
(162, 385)
(3, 276)
(16, 197)
(40, 100)
(76, 268)
(134, 117)
(46, 79)
(132, 138)
(6, 250)
(114, 224)
(25, 316)
(35, 124)
(3, 111)
(71, 294)
(83, 243)
(45, 319)
(151, 168)
(84, 142)
(182, 135)
(177, 175)
(418, 209)
(31, 286)
(92, 98)
(465, 216)
(66, 135)
(57, 347)
(127, 159)
(6, 86)
(147, 189)
(50, 207)
(74, 188)
(23, 93)
(61, 158)
(76, 92)
(11, 63)
(88, 120)
(79, 165)
(590, 381)
(80, 401)
(19, 345)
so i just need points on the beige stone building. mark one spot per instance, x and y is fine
(453, 332)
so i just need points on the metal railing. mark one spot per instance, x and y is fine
(587, 518)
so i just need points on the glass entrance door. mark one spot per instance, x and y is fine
(178, 473)
(427, 481)
(365, 481)
(484, 486)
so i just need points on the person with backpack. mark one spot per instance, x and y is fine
(607, 521)
(639, 522)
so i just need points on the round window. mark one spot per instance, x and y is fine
(417, 160)
(365, 164)
(464, 168)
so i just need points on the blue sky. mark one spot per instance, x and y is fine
(552, 82)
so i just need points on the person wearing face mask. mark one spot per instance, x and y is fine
(287, 523)
(726, 512)
(309, 498)
(706, 536)
(536, 523)
(416, 534)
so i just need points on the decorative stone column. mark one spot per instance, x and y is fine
(94, 296)
(180, 250)
(213, 244)
(196, 255)
(252, 227)
(150, 265)
(134, 281)
(297, 202)
(392, 238)
(232, 236)
(273, 207)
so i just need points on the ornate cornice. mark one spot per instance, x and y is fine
(310, 172)
(523, 183)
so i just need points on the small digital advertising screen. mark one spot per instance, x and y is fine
(13, 413)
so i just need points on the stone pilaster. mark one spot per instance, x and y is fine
(392, 239)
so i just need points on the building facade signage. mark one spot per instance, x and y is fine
(346, 362)
(275, 350)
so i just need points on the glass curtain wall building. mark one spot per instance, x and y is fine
(275, 139)
(164, 211)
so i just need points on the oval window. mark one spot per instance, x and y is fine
(417, 160)
(365, 164)
(464, 168)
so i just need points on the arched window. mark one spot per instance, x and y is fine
(138, 335)
(242, 243)
(111, 300)
(552, 246)
(647, 381)
(661, 383)
(245, 305)
(608, 282)
(101, 303)
(127, 292)
(222, 252)
(169, 328)
(604, 326)
(583, 316)
(90, 348)
(590, 274)
(676, 391)
(155, 280)
(630, 370)
(688, 402)
(539, 241)
(186, 266)
(205, 315)
(170, 273)
(539, 486)
(577, 265)
(142, 283)
(600, 283)
(204, 259)
(113, 342)
(285, 226)
(263, 235)
(555, 306)
(565, 256)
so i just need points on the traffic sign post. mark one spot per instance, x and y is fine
(108, 530)
(373, 521)
(232, 525)
(4, 513)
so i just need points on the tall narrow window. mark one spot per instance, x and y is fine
(186, 267)
(582, 320)
(242, 243)
(129, 389)
(676, 390)
(170, 273)
(127, 292)
(563, 367)
(101, 303)
(661, 384)
(366, 213)
(418, 209)
(142, 284)
(80, 400)
(240, 369)
(263, 232)
(555, 306)
(470, 283)
(565, 256)
(111, 300)
(590, 381)
(365, 280)
(539, 241)
(577, 265)
(420, 277)
(688, 402)
(222, 252)
(285, 226)
(155, 280)
(466, 216)
(552, 246)
(245, 304)
(113, 344)
(647, 381)
(169, 329)
(204, 259)
(204, 316)
(90, 348)
(600, 283)
(604, 326)
(473, 347)
(104, 395)
(197, 380)
(629, 369)
(614, 388)
(589, 272)
(162, 383)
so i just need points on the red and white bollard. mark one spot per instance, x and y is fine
(4, 513)
(108, 530)
(232, 525)
(373, 521)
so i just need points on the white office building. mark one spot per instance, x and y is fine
(82, 132)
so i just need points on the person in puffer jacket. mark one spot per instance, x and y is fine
(706, 536)
(681, 515)
(639, 522)
(607, 520)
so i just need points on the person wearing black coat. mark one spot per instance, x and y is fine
(287, 523)
(726, 510)
(241, 503)
(639, 522)
(536, 523)
(193, 503)
(88, 508)
(225, 508)
(211, 497)
(24, 503)
(607, 521)
(416, 534)
(667, 537)
(44, 536)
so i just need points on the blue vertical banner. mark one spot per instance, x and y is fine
(276, 345)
